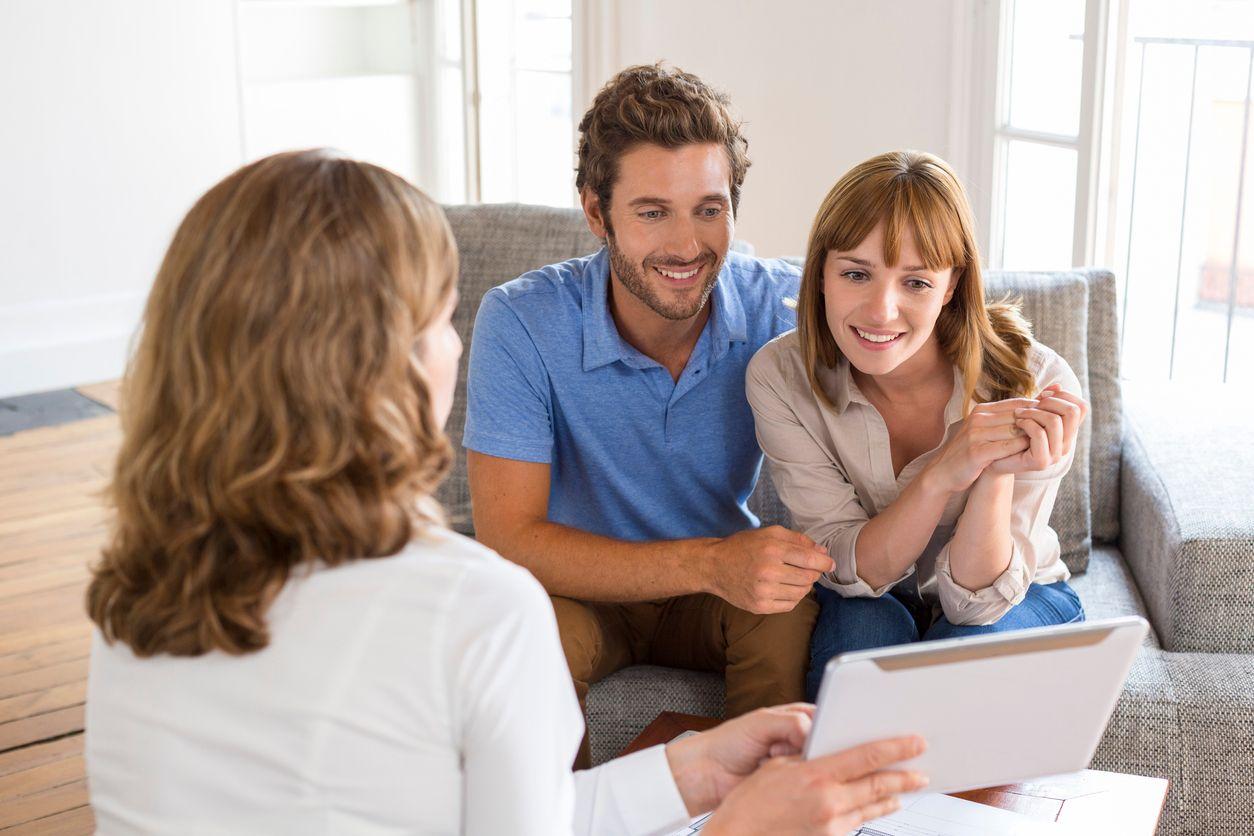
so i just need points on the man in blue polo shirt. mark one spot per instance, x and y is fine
(611, 450)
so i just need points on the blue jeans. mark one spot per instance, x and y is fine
(848, 624)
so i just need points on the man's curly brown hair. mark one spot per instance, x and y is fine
(658, 105)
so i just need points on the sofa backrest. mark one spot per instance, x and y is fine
(1073, 312)
(496, 243)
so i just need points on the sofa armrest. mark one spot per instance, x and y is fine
(1187, 514)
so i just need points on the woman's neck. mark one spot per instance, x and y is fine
(913, 381)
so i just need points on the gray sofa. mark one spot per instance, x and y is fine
(1153, 520)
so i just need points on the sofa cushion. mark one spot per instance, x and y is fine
(1108, 590)
(621, 705)
(1106, 417)
(1188, 521)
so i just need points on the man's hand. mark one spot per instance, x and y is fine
(766, 570)
(829, 795)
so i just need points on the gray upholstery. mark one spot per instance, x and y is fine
(624, 703)
(1187, 717)
(1175, 490)
(1106, 418)
(1188, 510)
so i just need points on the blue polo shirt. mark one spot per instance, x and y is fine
(634, 454)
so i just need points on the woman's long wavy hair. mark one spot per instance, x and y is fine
(918, 192)
(274, 411)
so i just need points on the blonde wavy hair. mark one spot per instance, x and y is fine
(918, 192)
(274, 412)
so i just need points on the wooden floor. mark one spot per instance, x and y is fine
(52, 525)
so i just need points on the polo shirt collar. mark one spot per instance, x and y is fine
(602, 344)
(728, 322)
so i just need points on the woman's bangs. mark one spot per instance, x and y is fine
(935, 227)
(856, 214)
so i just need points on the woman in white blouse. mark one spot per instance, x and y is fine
(289, 641)
(915, 431)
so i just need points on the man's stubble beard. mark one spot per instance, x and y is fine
(633, 279)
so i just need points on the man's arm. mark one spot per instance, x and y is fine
(763, 571)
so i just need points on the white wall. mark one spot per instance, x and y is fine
(820, 85)
(114, 117)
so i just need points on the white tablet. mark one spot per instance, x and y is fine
(994, 709)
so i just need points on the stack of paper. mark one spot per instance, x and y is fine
(932, 814)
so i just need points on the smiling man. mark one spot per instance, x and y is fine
(611, 450)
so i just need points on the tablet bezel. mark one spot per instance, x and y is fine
(976, 648)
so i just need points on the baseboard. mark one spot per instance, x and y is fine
(58, 344)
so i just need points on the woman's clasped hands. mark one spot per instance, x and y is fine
(1016, 435)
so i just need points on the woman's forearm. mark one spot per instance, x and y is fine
(981, 547)
(895, 537)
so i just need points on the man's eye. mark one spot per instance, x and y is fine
(651, 214)
(712, 211)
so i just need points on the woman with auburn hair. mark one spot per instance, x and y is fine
(915, 431)
(289, 641)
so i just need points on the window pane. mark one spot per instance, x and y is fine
(545, 149)
(368, 117)
(1177, 211)
(451, 127)
(544, 36)
(526, 129)
(449, 21)
(377, 79)
(1046, 60)
(1039, 207)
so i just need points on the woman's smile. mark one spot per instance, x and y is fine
(874, 339)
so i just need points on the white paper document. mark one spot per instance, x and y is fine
(932, 814)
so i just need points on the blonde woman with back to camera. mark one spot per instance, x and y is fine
(289, 640)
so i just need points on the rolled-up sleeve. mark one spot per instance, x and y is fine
(987, 605)
(1033, 542)
(808, 478)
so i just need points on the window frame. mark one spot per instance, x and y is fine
(1090, 233)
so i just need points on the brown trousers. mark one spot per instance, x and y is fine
(763, 657)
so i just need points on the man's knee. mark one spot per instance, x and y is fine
(767, 656)
(778, 635)
(581, 637)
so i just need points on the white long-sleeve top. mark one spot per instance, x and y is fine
(420, 693)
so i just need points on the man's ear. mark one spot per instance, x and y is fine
(592, 212)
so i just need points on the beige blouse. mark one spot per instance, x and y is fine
(834, 471)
